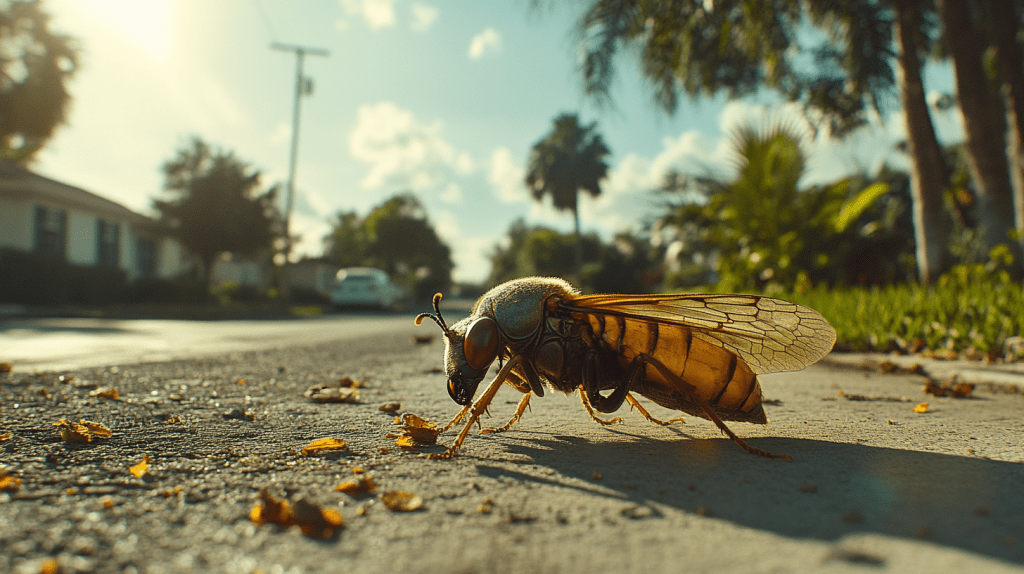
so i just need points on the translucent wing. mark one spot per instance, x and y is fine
(770, 335)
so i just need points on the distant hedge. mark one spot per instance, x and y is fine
(43, 279)
(28, 278)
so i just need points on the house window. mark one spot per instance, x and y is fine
(146, 249)
(51, 231)
(108, 242)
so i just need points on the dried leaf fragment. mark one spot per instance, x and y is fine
(82, 431)
(327, 393)
(360, 486)
(105, 393)
(271, 510)
(324, 445)
(950, 389)
(5, 367)
(921, 408)
(314, 521)
(401, 501)
(349, 382)
(97, 429)
(415, 431)
(9, 483)
(51, 566)
(140, 469)
(390, 407)
(404, 441)
(6, 436)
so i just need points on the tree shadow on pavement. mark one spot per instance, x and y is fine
(830, 490)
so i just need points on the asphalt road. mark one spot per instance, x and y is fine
(74, 343)
(873, 485)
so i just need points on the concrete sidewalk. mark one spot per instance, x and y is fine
(1008, 376)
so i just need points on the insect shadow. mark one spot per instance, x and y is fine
(830, 490)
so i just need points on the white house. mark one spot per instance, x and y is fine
(41, 215)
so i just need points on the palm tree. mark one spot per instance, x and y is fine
(739, 47)
(569, 159)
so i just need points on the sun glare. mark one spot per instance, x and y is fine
(146, 22)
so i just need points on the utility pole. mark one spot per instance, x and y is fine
(303, 86)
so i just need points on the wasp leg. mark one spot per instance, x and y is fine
(590, 411)
(685, 388)
(597, 369)
(462, 414)
(525, 402)
(529, 375)
(479, 407)
(634, 403)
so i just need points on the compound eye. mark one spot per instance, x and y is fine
(481, 346)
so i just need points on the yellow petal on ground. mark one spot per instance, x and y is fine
(141, 468)
(324, 445)
(921, 408)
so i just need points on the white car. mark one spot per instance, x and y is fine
(366, 287)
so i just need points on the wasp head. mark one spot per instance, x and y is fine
(470, 346)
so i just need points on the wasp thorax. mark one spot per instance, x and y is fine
(481, 344)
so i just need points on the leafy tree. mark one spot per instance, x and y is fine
(397, 237)
(740, 46)
(347, 245)
(216, 204)
(626, 266)
(35, 67)
(569, 159)
(759, 228)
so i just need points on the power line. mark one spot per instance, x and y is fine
(266, 20)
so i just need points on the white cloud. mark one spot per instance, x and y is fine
(464, 164)
(447, 227)
(404, 154)
(468, 253)
(452, 193)
(423, 16)
(627, 198)
(487, 41)
(506, 177)
(377, 13)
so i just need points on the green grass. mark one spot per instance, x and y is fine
(970, 312)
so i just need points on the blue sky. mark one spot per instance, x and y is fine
(440, 97)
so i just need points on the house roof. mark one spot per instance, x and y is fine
(16, 181)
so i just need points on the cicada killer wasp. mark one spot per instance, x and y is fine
(699, 354)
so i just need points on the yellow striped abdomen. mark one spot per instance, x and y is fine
(707, 371)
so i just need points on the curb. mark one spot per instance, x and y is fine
(1008, 376)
